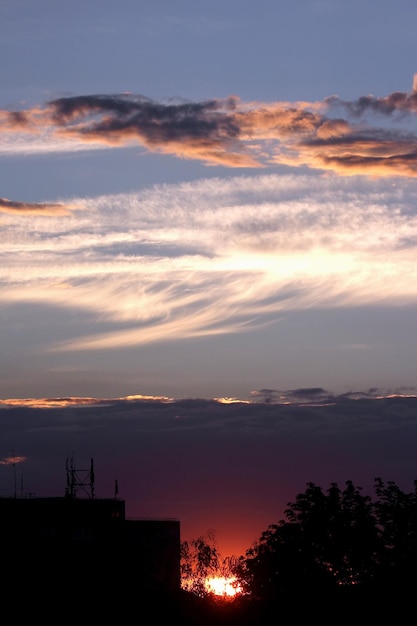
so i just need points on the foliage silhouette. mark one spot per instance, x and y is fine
(396, 514)
(200, 561)
(336, 539)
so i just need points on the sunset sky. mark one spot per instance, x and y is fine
(203, 202)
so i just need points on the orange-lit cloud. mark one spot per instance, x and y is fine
(12, 460)
(147, 398)
(227, 400)
(52, 403)
(343, 137)
(34, 208)
(49, 403)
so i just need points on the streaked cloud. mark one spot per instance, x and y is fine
(75, 401)
(214, 256)
(34, 208)
(371, 135)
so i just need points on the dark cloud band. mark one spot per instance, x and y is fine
(231, 133)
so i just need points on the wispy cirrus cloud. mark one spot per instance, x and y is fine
(371, 135)
(214, 256)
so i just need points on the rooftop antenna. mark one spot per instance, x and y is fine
(14, 472)
(79, 480)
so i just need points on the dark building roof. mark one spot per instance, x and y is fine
(69, 536)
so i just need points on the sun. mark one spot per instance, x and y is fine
(223, 586)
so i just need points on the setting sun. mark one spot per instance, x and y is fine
(222, 586)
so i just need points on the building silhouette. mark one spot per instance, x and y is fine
(72, 541)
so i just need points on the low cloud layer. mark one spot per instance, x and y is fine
(259, 399)
(372, 135)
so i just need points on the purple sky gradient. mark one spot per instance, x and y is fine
(231, 468)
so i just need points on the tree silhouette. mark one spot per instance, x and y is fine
(396, 513)
(333, 539)
(199, 560)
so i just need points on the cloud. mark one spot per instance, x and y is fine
(230, 132)
(214, 256)
(75, 401)
(204, 131)
(394, 103)
(295, 410)
(34, 208)
(317, 396)
(12, 460)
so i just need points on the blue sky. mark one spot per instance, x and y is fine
(207, 200)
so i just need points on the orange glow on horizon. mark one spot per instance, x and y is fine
(223, 586)
(226, 587)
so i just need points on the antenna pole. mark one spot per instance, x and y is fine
(79, 479)
(14, 472)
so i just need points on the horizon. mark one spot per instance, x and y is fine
(231, 468)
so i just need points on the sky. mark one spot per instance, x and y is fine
(209, 209)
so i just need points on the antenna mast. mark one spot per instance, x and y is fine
(14, 473)
(79, 480)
